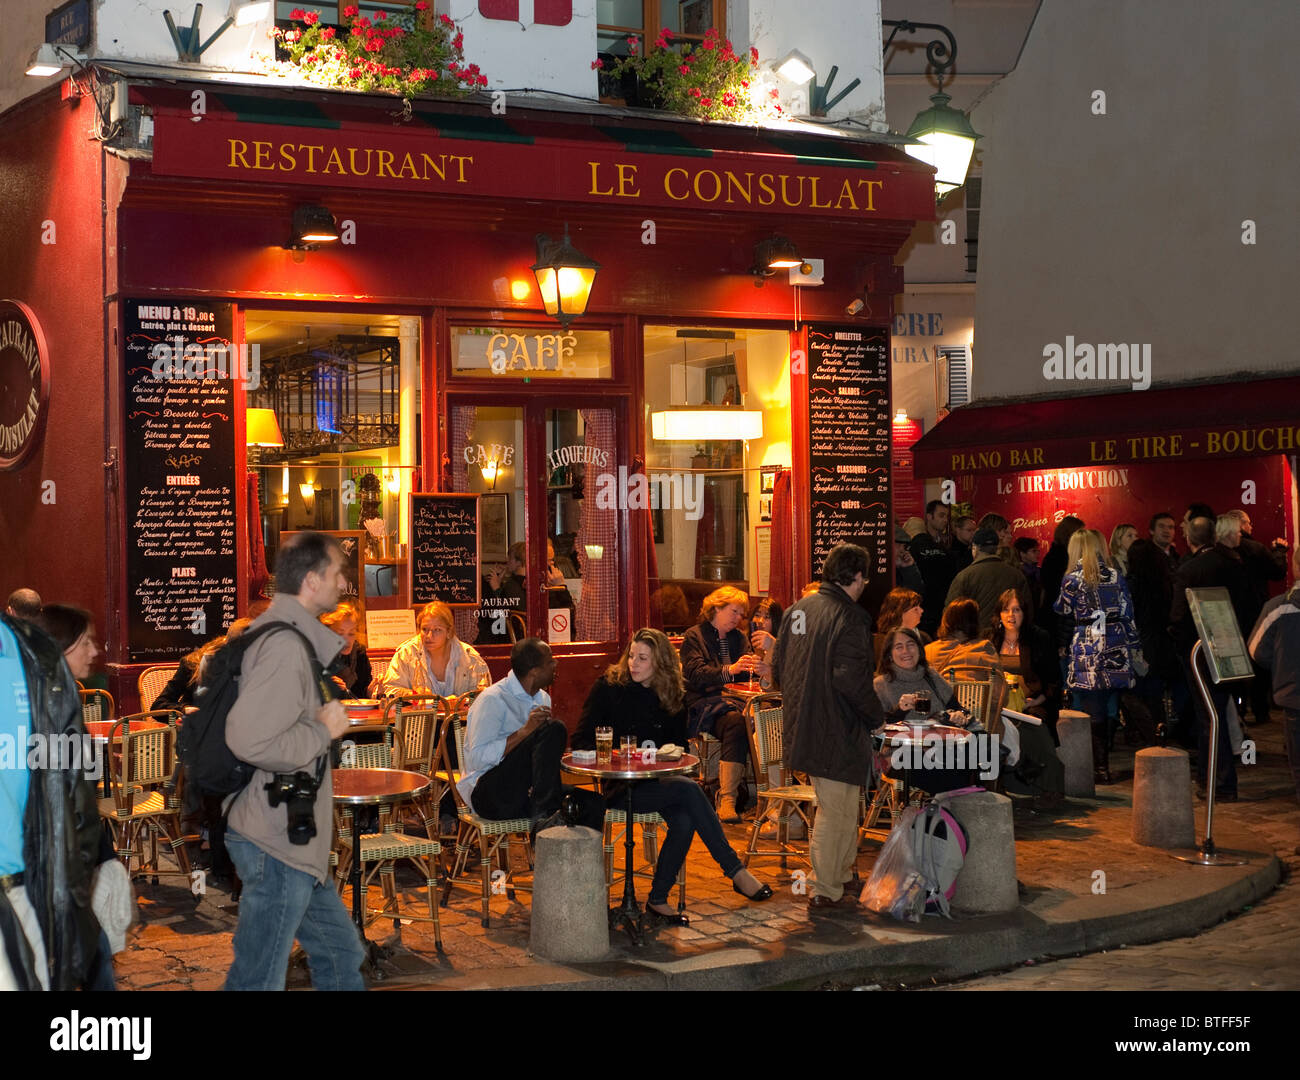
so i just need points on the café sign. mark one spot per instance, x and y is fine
(25, 379)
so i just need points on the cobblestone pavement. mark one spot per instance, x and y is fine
(182, 944)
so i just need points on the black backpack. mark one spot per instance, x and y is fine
(211, 768)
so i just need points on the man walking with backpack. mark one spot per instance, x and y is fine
(282, 723)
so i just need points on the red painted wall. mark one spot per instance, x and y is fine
(51, 171)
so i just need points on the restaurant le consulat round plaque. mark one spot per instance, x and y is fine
(25, 378)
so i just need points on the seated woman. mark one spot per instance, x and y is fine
(1033, 687)
(959, 643)
(764, 624)
(714, 652)
(435, 660)
(352, 668)
(903, 677)
(641, 696)
(901, 607)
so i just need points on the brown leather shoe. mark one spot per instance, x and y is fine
(825, 905)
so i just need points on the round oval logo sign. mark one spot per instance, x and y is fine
(24, 383)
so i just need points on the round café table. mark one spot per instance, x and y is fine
(913, 735)
(371, 787)
(629, 913)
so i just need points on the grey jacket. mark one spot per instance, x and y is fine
(1275, 644)
(273, 725)
(824, 673)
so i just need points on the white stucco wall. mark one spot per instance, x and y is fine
(526, 55)
(1127, 227)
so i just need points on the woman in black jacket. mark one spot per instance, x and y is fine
(641, 696)
(714, 652)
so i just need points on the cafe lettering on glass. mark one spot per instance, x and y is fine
(510, 353)
(178, 465)
(444, 548)
(849, 443)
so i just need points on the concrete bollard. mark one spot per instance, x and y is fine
(987, 881)
(570, 920)
(1162, 799)
(1074, 729)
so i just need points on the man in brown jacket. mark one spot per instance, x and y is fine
(822, 664)
(281, 724)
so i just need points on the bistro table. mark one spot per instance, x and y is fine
(629, 913)
(99, 731)
(913, 735)
(371, 787)
(743, 691)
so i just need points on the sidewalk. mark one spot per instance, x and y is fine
(732, 944)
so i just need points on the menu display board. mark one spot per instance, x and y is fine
(849, 444)
(178, 475)
(353, 543)
(1221, 640)
(444, 549)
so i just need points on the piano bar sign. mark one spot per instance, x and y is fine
(25, 379)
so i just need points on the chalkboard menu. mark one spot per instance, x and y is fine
(848, 385)
(444, 549)
(178, 475)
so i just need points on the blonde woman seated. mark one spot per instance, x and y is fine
(435, 660)
(351, 671)
(641, 696)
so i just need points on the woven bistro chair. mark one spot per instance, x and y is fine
(143, 801)
(96, 705)
(979, 691)
(152, 682)
(488, 834)
(442, 777)
(763, 719)
(615, 827)
(415, 749)
(380, 854)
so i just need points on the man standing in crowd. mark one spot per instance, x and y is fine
(49, 827)
(513, 747)
(1275, 645)
(1263, 566)
(283, 723)
(987, 578)
(1207, 565)
(822, 664)
(935, 562)
(963, 532)
(906, 573)
(1161, 529)
(23, 604)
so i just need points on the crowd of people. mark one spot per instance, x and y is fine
(1097, 619)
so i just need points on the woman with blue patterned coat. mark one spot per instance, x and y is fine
(1105, 653)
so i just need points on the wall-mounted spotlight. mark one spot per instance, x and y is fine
(776, 253)
(51, 59)
(795, 67)
(312, 226)
(859, 305)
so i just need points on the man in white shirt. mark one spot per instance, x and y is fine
(513, 746)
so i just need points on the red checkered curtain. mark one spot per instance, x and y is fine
(258, 575)
(462, 419)
(597, 614)
(782, 586)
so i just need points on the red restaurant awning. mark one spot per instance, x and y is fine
(1206, 421)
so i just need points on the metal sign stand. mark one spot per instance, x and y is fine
(1208, 854)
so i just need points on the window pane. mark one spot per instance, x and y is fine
(487, 446)
(705, 489)
(584, 579)
(530, 354)
(619, 12)
(690, 17)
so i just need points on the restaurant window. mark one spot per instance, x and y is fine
(617, 20)
(527, 353)
(489, 457)
(334, 382)
(711, 498)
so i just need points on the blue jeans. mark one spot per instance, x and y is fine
(279, 904)
(687, 811)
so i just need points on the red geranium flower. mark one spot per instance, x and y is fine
(458, 41)
(354, 73)
(708, 44)
(350, 12)
(421, 5)
(374, 44)
(684, 69)
(296, 13)
(482, 80)
(381, 16)
(753, 55)
(446, 20)
(706, 102)
(695, 91)
(665, 32)
(729, 99)
(362, 23)
(598, 65)
(327, 33)
(311, 18)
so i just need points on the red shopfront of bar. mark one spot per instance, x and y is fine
(1120, 458)
(440, 210)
